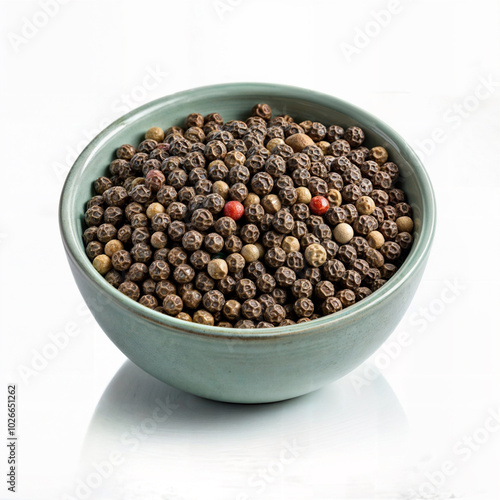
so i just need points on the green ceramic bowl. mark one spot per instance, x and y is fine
(246, 366)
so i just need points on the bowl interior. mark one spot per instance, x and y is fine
(234, 101)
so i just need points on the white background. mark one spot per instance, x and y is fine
(419, 416)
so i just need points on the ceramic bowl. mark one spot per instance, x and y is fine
(259, 365)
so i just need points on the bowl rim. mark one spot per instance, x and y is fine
(75, 248)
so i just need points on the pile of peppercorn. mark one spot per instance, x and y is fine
(257, 223)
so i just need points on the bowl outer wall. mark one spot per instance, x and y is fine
(241, 365)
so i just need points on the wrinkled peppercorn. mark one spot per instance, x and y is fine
(130, 289)
(331, 305)
(246, 289)
(137, 272)
(213, 301)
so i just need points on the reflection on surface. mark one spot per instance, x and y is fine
(150, 440)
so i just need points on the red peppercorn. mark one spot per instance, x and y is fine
(319, 205)
(234, 209)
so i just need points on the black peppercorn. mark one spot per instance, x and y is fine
(225, 226)
(390, 250)
(275, 257)
(202, 219)
(94, 215)
(172, 304)
(140, 193)
(382, 180)
(339, 148)
(238, 192)
(102, 184)
(301, 177)
(227, 285)
(161, 254)
(203, 187)
(148, 286)
(140, 235)
(245, 323)
(183, 273)
(239, 174)
(392, 169)
(137, 272)
(302, 288)
(374, 258)
(404, 240)
(232, 310)
(262, 183)
(275, 314)
(233, 244)
(347, 297)
(97, 200)
(403, 209)
(354, 136)
(365, 224)
(138, 220)
(266, 222)
(295, 261)
(362, 292)
(246, 289)
(213, 301)
(251, 309)
(148, 301)
(114, 278)
(130, 289)
(147, 146)
(159, 270)
(255, 213)
(275, 166)
(262, 110)
(284, 276)
(347, 254)
(331, 305)
(381, 198)
(351, 279)
(106, 232)
(161, 288)
(141, 252)
(324, 289)
(176, 230)
(113, 215)
(303, 307)
(204, 282)
(93, 249)
(387, 270)
(90, 234)
(313, 274)
(372, 275)
(334, 270)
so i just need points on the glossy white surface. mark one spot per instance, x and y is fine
(428, 422)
